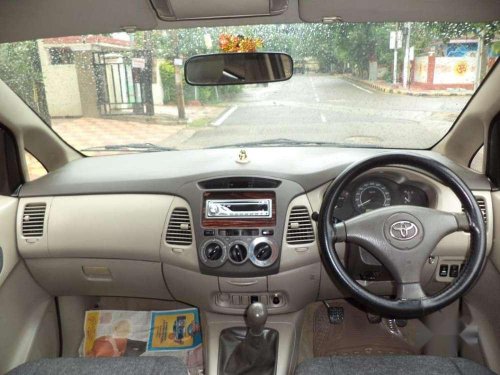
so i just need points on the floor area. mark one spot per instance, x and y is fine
(356, 335)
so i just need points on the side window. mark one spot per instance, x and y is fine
(476, 163)
(10, 170)
(35, 168)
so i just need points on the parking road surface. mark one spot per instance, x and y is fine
(330, 109)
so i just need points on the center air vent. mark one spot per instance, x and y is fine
(299, 229)
(33, 219)
(482, 206)
(179, 228)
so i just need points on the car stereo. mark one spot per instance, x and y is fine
(239, 231)
(238, 208)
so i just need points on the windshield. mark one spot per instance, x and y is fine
(392, 85)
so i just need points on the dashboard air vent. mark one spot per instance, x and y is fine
(33, 219)
(482, 206)
(179, 228)
(300, 229)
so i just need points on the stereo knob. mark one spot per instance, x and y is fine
(263, 251)
(238, 252)
(213, 209)
(213, 251)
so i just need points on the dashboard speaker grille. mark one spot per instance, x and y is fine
(179, 228)
(33, 219)
(300, 229)
(240, 183)
(482, 206)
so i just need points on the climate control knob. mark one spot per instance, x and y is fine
(213, 253)
(263, 252)
(238, 252)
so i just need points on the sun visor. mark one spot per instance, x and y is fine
(177, 10)
(400, 10)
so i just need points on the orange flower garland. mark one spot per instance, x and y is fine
(239, 43)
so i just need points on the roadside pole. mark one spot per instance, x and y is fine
(407, 56)
(395, 67)
(395, 42)
(181, 110)
(147, 74)
(179, 90)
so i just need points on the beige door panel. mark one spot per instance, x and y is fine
(28, 319)
(8, 244)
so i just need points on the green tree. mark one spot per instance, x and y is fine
(20, 70)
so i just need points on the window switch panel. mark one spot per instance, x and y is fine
(443, 270)
(454, 268)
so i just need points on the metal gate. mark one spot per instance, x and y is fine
(120, 89)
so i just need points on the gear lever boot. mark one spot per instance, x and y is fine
(249, 350)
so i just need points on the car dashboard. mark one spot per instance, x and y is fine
(201, 228)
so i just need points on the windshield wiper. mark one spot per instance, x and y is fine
(280, 142)
(142, 147)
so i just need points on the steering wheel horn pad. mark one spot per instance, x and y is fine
(402, 238)
(403, 231)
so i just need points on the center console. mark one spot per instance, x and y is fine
(234, 241)
(239, 234)
(244, 241)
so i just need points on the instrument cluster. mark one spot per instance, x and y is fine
(373, 192)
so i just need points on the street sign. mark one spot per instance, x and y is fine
(399, 39)
(396, 39)
(138, 62)
(412, 53)
(208, 41)
(392, 40)
(178, 62)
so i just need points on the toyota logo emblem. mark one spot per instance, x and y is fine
(403, 230)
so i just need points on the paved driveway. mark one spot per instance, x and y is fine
(82, 133)
(331, 109)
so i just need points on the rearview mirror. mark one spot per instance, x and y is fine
(238, 68)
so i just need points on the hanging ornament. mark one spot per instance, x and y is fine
(239, 43)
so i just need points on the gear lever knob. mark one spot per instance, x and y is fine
(256, 318)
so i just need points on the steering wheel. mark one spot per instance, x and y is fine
(402, 238)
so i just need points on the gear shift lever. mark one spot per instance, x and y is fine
(249, 350)
(256, 318)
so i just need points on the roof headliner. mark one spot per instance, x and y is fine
(28, 19)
